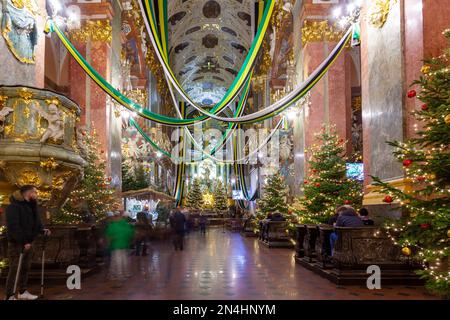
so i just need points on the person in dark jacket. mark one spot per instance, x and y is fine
(364, 214)
(347, 218)
(143, 228)
(334, 218)
(177, 222)
(23, 226)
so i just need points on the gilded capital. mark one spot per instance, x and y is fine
(94, 30)
(317, 31)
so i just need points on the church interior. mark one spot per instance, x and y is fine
(225, 149)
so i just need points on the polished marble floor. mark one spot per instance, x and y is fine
(222, 265)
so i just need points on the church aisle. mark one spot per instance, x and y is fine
(222, 265)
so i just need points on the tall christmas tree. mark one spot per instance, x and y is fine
(327, 186)
(93, 195)
(274, 198)
(424, 230)
(220, 196)
(195, 196)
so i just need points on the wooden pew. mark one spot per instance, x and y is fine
(273, 234)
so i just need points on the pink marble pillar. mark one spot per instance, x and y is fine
(331, 96)
(77, 82)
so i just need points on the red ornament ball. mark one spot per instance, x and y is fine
(347, 202)
(407, 162)
(424, 107)
(305, 182)
(425, 226)
(109, 179)
(412, 93)
(388, 199)
(317, 184)
(420, 178)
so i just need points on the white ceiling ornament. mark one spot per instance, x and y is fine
(208, 41)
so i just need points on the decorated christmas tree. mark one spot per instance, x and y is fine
(424, 230)
(220, 196)
(93, 195)
(134, 179)
(195, 197)
(274, 198)
(327, 186)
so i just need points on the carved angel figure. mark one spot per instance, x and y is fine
(55, 129)
(3, 113)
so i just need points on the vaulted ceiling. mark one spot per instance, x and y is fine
(208, 41)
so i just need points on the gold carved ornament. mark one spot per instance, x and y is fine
(49, 164)
(379, 11)
(94, 30)
(317, 31)
(29, 177)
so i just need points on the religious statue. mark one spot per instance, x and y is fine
(285, 147)
(19, 28)
(55, 129)
(3, 113)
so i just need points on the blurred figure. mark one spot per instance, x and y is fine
(278, 217)
(23, 226)
(119, 233)
(143, 228)
(202, 223)
(364, 214)
(177, 222)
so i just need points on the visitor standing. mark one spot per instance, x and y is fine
(23, 226)
(143, 228)
(119, 233)
(202, 223)
(177, 223)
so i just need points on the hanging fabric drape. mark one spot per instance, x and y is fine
(157, 30)
(180, 167)
(260, 115)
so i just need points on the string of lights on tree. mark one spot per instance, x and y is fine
(424, 231)
(93, 195)
(327, 186)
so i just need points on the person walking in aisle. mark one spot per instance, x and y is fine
(177, 222)
(23, 225)
(119, 233)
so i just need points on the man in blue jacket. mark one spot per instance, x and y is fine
(23, 226)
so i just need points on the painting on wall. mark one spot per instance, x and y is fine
(19, 28)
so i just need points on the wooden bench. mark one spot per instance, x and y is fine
(248, 227)
(273, 234)
(355, 250)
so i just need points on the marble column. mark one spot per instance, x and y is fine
(391, 61)
(102, 51)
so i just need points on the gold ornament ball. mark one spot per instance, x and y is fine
(425, 69)
(448, 233)
(447, 119)
(406, 251)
